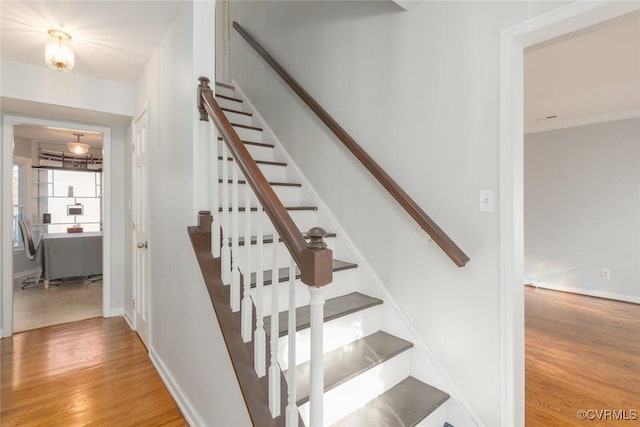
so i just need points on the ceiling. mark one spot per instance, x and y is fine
(56, 135)
(113, 40)
(586, 77)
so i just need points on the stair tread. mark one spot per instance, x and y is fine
(230, 98)
(333, 309)
(258, 144)
(231, 110)
(280, 184)
(406, 405)
(260, 162)
(283, 273)
(246, 126)
(289, 208)
(268, 238)
(227, 85)
(351, 360)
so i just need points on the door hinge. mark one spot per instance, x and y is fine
(133, 302)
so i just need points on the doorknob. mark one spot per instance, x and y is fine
(142, 245)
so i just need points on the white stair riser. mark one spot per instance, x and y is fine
(229, 103)
(289, 196)
(276, 173)
(343, 283)
(437, 418)
(303, 219)
(351, 395)
(222, 90)
(284, 257)
(337, 332)
(248, 134)
(256, 151)
(241, 119)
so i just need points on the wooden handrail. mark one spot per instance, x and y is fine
(314, 260)
(409, 205)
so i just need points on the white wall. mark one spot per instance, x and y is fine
(40, 84)
(39, 92)
(185, 339)
(419, 90)
(582, 209)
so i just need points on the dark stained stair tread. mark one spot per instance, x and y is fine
(231, 110)
(333, 309)
(279, 184)
(227, 85)
(260, 162)
(289, 208)
(351, 360)
(230, 98)
(246, 126)
(404, 405)
(283, 273)
(257, 144)
(268, 238)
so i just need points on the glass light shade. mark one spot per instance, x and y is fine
(58, 51)
(78, 147)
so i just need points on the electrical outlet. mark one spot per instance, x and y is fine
(606, 273)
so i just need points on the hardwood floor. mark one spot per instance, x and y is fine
(94, 372)
(582, 353)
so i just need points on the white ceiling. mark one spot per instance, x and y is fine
(113, 40)
(56, 135)
(586, 77)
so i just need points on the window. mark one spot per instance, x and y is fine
(19, 195)
(61, 188)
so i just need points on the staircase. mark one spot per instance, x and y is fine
(369, 372)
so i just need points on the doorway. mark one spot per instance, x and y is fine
(514, 40)
(9, 121)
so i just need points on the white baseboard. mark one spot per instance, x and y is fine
(587, 292)
(188, 411)
(129, 320)
(114, 312)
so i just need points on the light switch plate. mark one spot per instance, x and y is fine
(486, 201)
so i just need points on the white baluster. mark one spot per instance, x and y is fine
(259, 343)
(274, 368)
(235, 250)
(316, 388)
(225, 251)
(214, 150)
(292, 408)
(247, 305)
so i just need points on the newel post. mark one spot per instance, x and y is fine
(203, 87)
(317, 260)
(317, 271)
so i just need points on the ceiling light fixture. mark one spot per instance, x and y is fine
(78, 147)
(58, 51)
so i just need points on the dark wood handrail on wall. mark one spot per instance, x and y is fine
(412, 208)
(314, 260)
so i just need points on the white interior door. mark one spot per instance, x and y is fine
(141, 284)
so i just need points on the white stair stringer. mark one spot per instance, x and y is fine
(418, 362)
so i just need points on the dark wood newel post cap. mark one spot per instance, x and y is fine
(316, 235)
(204, 81)
(317, 260)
